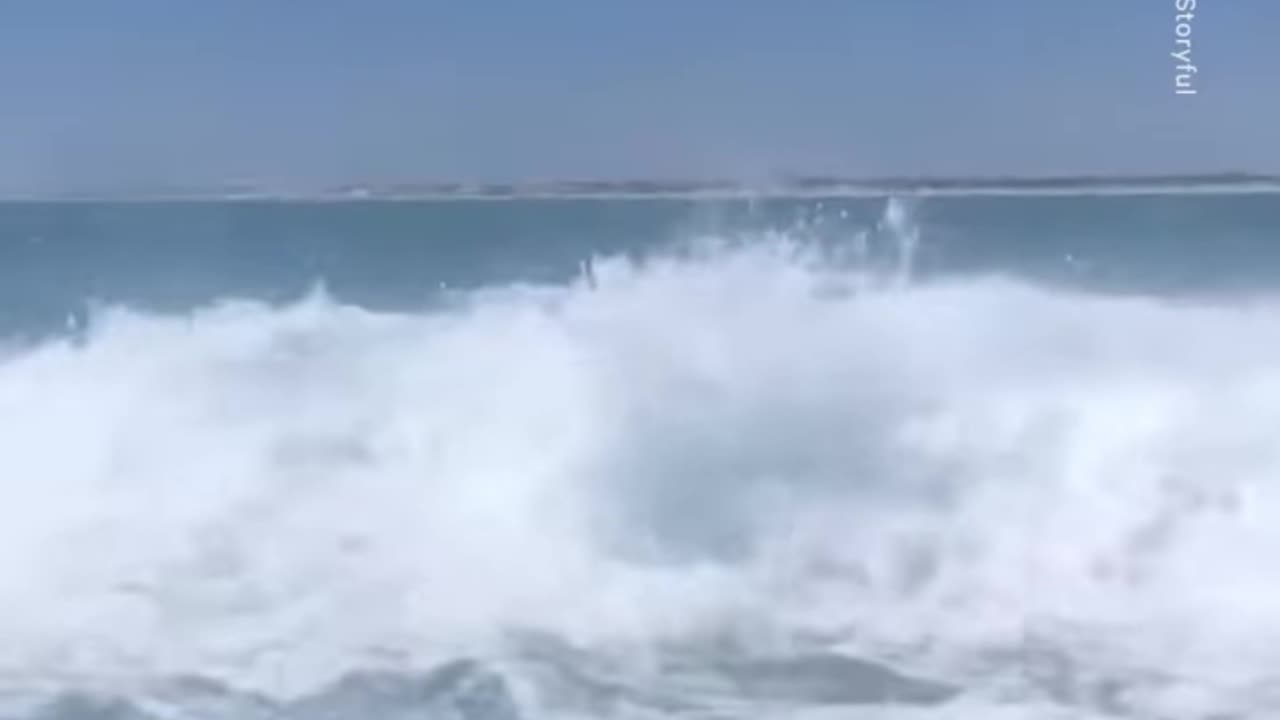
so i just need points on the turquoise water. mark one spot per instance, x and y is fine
(57, 258)
(999, 457)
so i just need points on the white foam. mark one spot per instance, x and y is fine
(273, 495)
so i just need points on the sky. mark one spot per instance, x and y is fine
(142, 93)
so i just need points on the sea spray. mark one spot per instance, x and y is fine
(1034, 496)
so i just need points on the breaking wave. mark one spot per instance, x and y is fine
(732, 481)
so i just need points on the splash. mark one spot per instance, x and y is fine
(1049, 499)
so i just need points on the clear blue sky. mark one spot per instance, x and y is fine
(99, 93)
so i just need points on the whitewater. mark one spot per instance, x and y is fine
(760, 477)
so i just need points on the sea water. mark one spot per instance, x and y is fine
(966, 457)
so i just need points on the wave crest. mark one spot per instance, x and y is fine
(746, 445)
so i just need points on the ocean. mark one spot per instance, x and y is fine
(896, 458)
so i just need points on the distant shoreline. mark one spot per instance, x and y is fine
(816, 187)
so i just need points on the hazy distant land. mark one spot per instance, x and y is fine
(823, 186)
